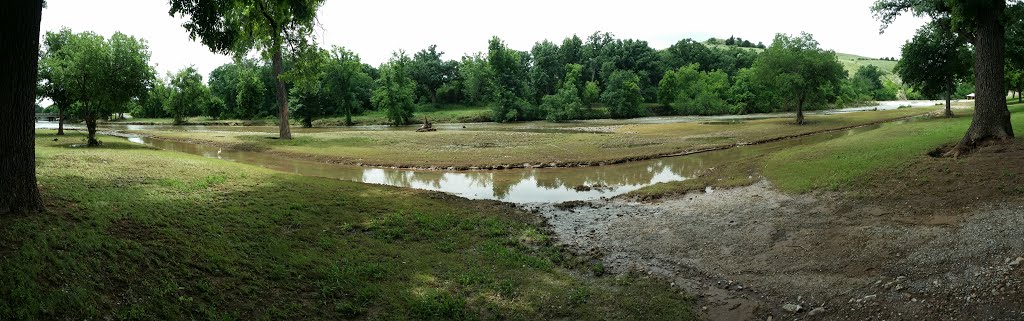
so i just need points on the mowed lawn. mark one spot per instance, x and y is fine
(137, 233)
(495, 148)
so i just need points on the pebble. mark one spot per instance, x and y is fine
(816, 311)
(792, 308)
(1016, 261)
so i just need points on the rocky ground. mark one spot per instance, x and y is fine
(753, 253)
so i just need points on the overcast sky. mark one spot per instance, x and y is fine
(374, 29)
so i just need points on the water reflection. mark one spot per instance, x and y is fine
(519, 185)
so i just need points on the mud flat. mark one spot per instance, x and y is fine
(752, 252)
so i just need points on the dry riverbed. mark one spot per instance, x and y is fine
(897, 248)
(752, 253)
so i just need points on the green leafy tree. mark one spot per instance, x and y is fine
(623, 95)
(101, 76)
(327, 82)
(686, 52)
(395, 92)
(239, 26)
(1015, 53)
(508, 83)
(869, 81)
(51, 86)
(250, 93)
(935, 62)
(692, 92)
(798, 72)
(431, 73)
(152, 105)
(188, 95)
(223, 85)
(346, 83)
(571, 51)
(475, 72)
(983, 23)
(591, 94)
(547, 68)
(566, 103)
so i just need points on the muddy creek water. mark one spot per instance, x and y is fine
(514, 185)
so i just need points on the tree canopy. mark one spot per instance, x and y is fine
(935, 62)
(983, 24)
(240, 26)
(799, 72)
(97, 75)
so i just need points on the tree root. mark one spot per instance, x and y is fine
(965, 147)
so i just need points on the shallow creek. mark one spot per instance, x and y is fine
(513, 185)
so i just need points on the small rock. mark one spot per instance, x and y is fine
(898, 288)
(816, 311)
(1016, 261)
(769, 318)
(792, 308)
(870, 297)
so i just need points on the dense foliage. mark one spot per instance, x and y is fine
(577, 78)
(95, 77)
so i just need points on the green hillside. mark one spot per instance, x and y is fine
(852, 62)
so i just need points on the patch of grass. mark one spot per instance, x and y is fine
(838, 163)
(138, 233)
(500, 147)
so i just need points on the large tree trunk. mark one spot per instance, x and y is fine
(90, 125)
(19, 20)
(282, 96)
(800, 112)
(991, 117)
(60, 120)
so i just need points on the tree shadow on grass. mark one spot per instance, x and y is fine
(205, 239)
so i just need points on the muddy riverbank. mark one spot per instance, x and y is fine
(753, 253)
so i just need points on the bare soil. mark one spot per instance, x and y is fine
(939, 239)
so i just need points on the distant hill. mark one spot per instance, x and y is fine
(850, 61)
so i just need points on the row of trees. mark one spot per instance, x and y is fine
(551, 81)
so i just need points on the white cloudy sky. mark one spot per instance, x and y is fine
(374, 29)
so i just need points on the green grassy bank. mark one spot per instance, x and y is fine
(845, 163)
(137, 233)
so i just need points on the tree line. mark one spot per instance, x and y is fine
(601, 76)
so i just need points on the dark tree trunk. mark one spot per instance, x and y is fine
(991, 117)
(90, 125)
(800, 112)
(60, 120)
(949, 110)
(348, 117)
(307, 121)
(19, 20)
(282, 96)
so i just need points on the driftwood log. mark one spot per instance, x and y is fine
(426, 127)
